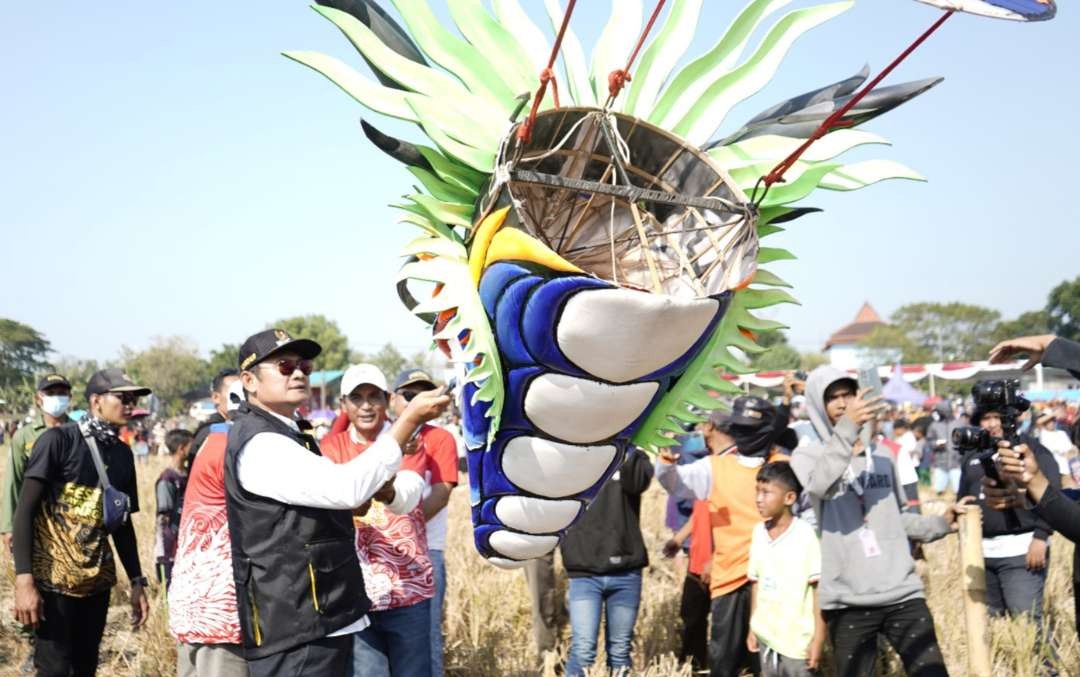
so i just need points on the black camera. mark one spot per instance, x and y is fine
(1001, 397)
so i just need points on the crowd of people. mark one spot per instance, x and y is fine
(799, 522)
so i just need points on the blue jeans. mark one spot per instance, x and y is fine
(1011, 588)
(618, 596)
(396, 643)
(438, 566)
(946, 479)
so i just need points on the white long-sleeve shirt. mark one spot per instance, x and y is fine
(277, 467)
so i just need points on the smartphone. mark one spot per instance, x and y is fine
(869, 378)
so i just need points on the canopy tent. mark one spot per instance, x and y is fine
(898, 390)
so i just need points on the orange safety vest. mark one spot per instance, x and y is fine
(733, 515)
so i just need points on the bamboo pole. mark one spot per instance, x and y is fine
(974, 571)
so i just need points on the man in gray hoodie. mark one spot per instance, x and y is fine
(868, 581)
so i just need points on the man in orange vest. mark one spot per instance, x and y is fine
(729, 483)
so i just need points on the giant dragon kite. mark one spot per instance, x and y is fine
(592, 259)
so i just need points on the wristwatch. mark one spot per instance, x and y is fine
(140, 581)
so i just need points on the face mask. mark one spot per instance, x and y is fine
(55, 405)
(753, 441)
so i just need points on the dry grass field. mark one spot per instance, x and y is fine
(488, 624)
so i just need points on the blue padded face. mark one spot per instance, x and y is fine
(514, 408)
(508, 322)
(474, 420)
(494, 280)
(541, 316)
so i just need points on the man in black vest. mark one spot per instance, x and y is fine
(299, 588)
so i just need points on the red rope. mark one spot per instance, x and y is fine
(836, 120)
(547, 75)
(618, 78)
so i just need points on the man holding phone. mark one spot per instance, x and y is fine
(873, 588)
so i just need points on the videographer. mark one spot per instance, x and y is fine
(1026, 480)
(1015, 544)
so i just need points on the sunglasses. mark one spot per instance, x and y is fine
(287, 367)
(126, 398)
(410, 395)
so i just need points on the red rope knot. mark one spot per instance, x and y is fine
(616, 80)
(548, 76)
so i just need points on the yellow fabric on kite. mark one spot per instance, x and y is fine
(515, 245)
(485, 232)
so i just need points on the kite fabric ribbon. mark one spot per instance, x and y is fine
(595, 278)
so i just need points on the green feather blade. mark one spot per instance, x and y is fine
(371, 95)
(681, 94)
(763, 298)
(615, 44)
(452, 171)
(408, 73)
(455, 55)
(772, 148)
(793, 191)
(505, 54)
(479, 159)
(661, 56)
(456, 124)
(763, 276)
(709, 112)
(533, 40)
(765, 230)
(862, 174)
(442, 190)
(772, 255)
(573, 56)
(428, 224)
(453, 214)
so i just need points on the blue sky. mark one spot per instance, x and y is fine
(166, 171)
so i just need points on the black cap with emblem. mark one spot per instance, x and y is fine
(50, 380)
(113, 381)
(260, 346)
(752, 411)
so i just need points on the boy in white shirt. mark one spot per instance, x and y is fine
(786, 625)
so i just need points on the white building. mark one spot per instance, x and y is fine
(844, 351)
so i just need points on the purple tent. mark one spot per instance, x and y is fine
(900, 391)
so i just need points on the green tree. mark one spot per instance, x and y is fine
(78, 372)
(224, 357)
(171, 367)
(388, 359)
(779, 354)
(938, 332)
(23, 355)
(1031, 323)
(335, 347)
(1063, 307)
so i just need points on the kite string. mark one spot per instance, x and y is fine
(547, 75)
(836, 119)
(618, 78)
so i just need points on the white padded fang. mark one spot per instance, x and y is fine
(536, 515)
(641, 333)
(552, 469)
(504, 563)
(521, 546)
(582, 411)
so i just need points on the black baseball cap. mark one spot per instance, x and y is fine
(50, 380)
(411, 377)
(113, 381)
(721, 420)
(752, 411)
(260, 346)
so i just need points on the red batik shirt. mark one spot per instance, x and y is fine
(202, 596)
(392, 549)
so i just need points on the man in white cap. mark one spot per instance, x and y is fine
(391, 537)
